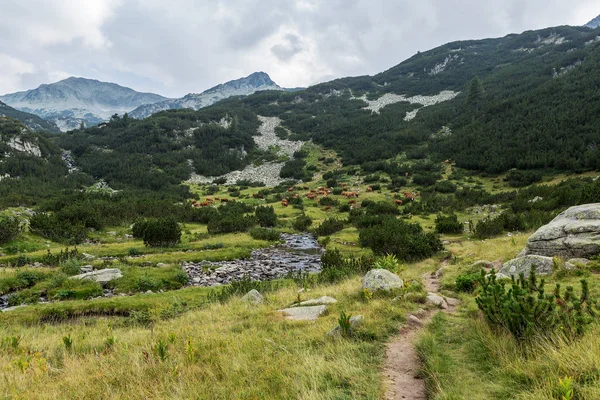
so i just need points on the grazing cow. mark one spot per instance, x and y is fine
(398, 202)
(223, 200)
(205, 204)
(351, 202)
(395, 194)
(369, 189)
(284, 202)
(291, 189)
(217, 198)
(210, 200)
(327, 208)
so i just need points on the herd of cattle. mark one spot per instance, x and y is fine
(312, 194)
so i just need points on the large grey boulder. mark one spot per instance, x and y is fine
(253, 297)
(102, 276)
(303, 313)
(381, 279)
(543, 266)
(575, 233)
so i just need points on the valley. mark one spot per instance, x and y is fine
(428, 232)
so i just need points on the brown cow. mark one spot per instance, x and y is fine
(209, 199)
(223, 200)
(291, 189)
(284, 202)
(369, 189)
(205, 204)
(327, 208)
(352, 202)
(398, 202)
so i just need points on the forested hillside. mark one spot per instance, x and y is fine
(527, 101)
(32, 121)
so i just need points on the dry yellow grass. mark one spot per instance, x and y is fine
(224, 351)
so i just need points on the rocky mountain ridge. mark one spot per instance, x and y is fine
(594, 23)
(70, 102)
(258, 81)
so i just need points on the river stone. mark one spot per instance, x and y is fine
(381, 279)
(253, 297)
(325, 300)
(575, 233)
(102, 276)
(303, 313)
(543, 265)
(436, 300)
(354, 323)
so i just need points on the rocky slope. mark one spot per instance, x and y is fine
(70, 102)
(25, 153)
(31, 121)
(255, 82)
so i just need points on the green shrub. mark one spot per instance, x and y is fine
(445, 187)
(527, 312)
(405, 241)
(328, 201)
(448, 224)
(158, 233)
(489, 227)
(389, 262)
(50, 227)
(467, 282)
(520, 178)
(302, 223)
(265, 215)
(329, 227)
(264, 234)
(10, 228)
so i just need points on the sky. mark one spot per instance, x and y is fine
(180, 46)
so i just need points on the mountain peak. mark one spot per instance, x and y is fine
(252, 83)
(594, 23)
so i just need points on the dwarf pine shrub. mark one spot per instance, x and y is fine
(527, 312)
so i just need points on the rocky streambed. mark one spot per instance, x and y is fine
(297, 253)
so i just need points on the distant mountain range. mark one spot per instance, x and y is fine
(70, 102)
(255, 82)
(594, 23)
(31, 121)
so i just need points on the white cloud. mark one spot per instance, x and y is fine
(12, 69)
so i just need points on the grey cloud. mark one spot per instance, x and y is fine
(190, 45)
(291, 46)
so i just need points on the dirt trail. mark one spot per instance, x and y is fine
(402, 364)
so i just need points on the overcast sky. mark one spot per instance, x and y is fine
(179, 46)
